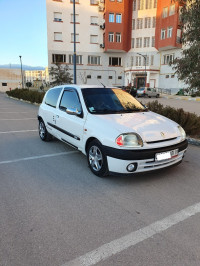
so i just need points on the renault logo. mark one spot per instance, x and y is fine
(162, 134)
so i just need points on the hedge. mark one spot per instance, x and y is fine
(189, 121)
(27, 95)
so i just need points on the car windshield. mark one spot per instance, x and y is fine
(110, 100)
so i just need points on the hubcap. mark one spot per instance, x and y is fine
(42, 130)
(95, 158)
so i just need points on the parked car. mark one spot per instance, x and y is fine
(152, 92)
(141, 92)
(115, 131)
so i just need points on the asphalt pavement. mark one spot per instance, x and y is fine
(55, 212)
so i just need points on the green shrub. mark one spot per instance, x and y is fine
(27, 95)
(189, 121)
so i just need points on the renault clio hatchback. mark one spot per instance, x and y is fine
(108, 125)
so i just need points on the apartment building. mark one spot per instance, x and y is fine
(37, 75)
(118, 42)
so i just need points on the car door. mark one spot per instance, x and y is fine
(70, 126)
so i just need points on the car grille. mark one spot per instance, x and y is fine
(158, 141)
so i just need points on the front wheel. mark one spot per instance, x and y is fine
(97, 160)
(43, 133)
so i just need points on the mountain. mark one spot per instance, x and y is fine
(24, 67)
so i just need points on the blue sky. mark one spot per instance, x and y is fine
(23, 32)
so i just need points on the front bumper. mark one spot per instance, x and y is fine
(119, 159)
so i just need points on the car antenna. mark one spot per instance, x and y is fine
(101, 83)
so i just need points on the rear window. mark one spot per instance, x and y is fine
(52, 97)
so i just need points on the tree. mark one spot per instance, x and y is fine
(188, 66)
(60, 75)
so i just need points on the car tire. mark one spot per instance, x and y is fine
(97, 159)
(43, 133)
(157, 96)
(149, 96)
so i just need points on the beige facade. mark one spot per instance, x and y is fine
(37, 75)
(10, 79)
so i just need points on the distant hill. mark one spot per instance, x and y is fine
(24, 67)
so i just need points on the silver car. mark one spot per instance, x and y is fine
(152, 92)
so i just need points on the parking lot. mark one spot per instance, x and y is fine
(55, 212)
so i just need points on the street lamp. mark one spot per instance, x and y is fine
(21, 70)
(74, 15)
(145, 58)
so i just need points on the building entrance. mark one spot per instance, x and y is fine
(140, 82)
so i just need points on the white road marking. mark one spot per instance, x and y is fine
(38, 157)
(13, 119)
(19, 131)
(132, 239)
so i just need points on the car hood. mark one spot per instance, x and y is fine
(150, 126)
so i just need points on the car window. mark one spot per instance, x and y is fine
(70, 100)
(109, 101)
(52, 97)
(149, 89)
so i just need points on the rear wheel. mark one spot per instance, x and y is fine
(97, 160)
(43, 133)
(157, 96)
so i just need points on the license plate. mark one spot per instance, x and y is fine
(166, 155)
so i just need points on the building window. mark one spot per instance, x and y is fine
(146, 41)
(111, 17)
(168, 58)
(163, 34)
(58, 36)
(133, 24)
(119, 77)
(155, 4)
(169, 32)
(134, 5)
(58, 16)
(146, 61)
(111, 36)
(88, 76)
(118, 18)
(148, 4)
(76, 1)
(72, 37)
(140, 4)
(93, 20)
(119, 1)
(165, 12)
(171, 10)
(147, 23)
(132, 42)
(58, 58)
(94, 2)
(4, 84)
(172, 76)
(138, 61)
(153, 41)
(139, 23)
(118, 37)
(94, 39)
(98, 77)
(138, 42)
(76, 18)
(167, 76)
(79, 59)
(132, 60)
(93, 60)
(154, 22)
(115, 61)
(110, 77)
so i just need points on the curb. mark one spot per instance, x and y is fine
(191, 141)
(197, 99)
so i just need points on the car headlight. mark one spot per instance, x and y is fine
(182, 131)
(129, 140)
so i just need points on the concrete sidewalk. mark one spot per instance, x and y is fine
(185, 98)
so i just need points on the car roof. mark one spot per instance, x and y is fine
(84, 86)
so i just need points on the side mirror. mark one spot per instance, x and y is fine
(73, 111)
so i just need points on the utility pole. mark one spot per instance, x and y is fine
(21, 71)
(74, 14)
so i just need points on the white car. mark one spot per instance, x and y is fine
(115, 131)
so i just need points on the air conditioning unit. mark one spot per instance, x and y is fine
(101, 9)
(102, 26)
(102, 45)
